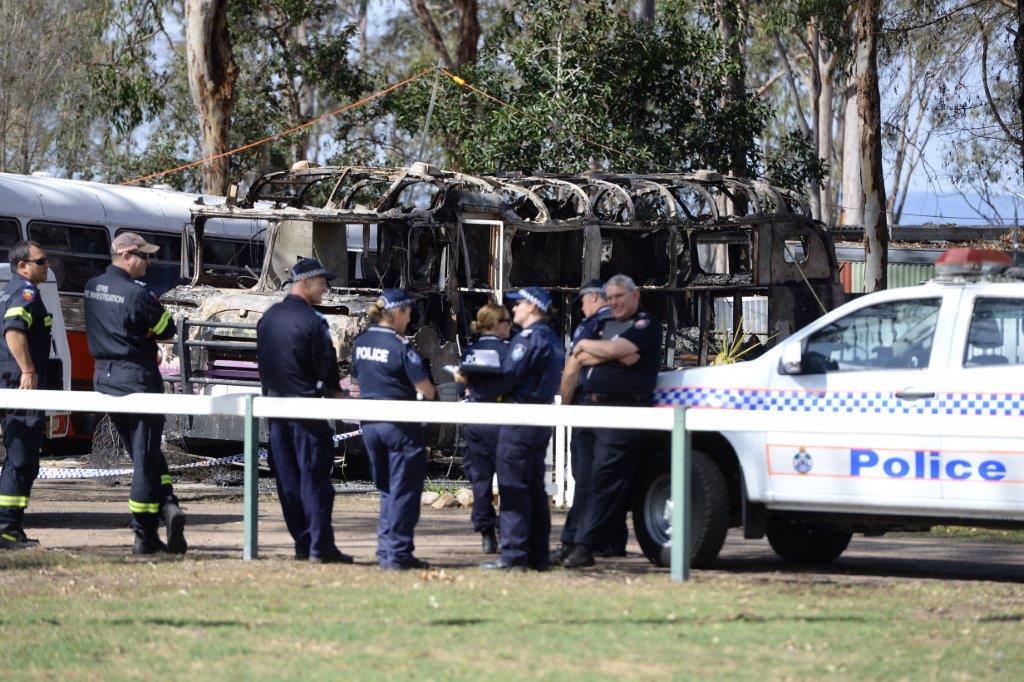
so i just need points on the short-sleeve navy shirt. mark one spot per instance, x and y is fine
(23, 310)
(590, 327)
(386, 366)
(533, 369)
(484, 384)
(643, 332)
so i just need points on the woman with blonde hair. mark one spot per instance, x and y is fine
(388, 368)
(493, 325)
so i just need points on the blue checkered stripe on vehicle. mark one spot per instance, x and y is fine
(848, 402)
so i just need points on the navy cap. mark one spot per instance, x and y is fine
(594, 286)
(395, 298)
(535, 295)
(310, 267)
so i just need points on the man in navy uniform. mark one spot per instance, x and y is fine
(123, 322)
(24, 350)
(595, 313)
(297, 359)
(530, 375)
(620, 368)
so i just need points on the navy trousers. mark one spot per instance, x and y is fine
(142, 435)
(301, 460)
(398, 463)
(23, 437)
(478, 463)
(615, 454)
(581, 453)
(525, 516)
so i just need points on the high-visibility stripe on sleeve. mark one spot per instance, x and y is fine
(165, 479)
(48, 321)
(19, 501)
(18, 311)
(143, 507)
(161, 324)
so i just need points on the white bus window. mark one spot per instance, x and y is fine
(76, 253)
(10, 234)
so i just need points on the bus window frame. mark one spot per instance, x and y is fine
(59, 253)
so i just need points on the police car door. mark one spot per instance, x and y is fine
(865, 365)
(984, 381)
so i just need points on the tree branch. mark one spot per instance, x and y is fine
(794, 93)
(984, 81)
(423, 13)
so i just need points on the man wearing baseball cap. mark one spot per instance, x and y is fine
(297, 359)
(123, 322)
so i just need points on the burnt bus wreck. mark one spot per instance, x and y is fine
(456, 240)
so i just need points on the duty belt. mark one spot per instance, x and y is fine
(622, 399)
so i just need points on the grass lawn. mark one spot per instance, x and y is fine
(101, 617)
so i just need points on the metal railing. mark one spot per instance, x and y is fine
(679, 421)
(253, 408)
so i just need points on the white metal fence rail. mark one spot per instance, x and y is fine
(253, 408)
(679, 421)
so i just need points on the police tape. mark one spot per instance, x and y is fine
(61, 473)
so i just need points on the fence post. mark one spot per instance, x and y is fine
(680, 551)
(252, 479)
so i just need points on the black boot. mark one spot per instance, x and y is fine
(174, 520)
(14, 538)
(489, 541)
(563, 553)
(500, 564)
(147, 542)
(333, 557)
(581, 557)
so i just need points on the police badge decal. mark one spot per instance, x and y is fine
(802, 462)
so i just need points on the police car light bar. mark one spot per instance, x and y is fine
(968, 263)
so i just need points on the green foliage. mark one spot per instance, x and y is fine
(793, 162)
(586, 81)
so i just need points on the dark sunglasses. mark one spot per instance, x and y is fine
(505, 319)
(38, 261)
(139, 254)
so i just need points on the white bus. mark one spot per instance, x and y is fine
(75, 221)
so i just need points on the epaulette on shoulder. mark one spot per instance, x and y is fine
(526, 332)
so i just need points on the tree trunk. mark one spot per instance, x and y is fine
(211, 79)
(814, 94)
(869, 110)
(852, 212)
(645, 11)
(728, 14)
(825, 121)
(1018, 49)
(469, 31)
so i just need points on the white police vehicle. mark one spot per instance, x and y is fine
(929, 357)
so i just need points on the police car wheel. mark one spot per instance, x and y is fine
(652, 511)
(808, 543)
